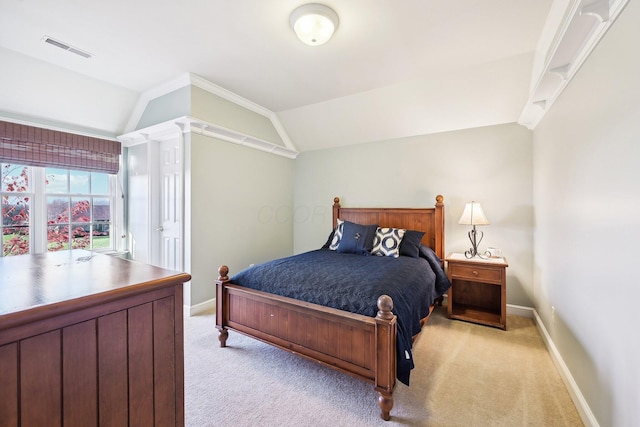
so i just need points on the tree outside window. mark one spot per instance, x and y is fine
(16, 197)
(78, 209)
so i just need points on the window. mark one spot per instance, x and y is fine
(16, 197)
(78, 210)
(52, 209)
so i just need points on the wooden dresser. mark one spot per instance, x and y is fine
(89, 339)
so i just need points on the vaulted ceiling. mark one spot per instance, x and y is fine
(392, 69)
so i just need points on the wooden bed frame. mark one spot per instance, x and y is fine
(358, 345)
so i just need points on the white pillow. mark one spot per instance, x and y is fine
(387, 242)
(337, 235)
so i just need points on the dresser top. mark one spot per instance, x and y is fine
(42, 281)
(461, 257)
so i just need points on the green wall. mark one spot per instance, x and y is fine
(214, 109)
(491, 165)
(166, 107)
(239, 202)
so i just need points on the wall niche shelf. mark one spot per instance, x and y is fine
(583, 25)
(197, 126)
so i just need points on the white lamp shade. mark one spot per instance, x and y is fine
(473, 215)
(314, 23)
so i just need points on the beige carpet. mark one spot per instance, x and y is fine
(466, 375)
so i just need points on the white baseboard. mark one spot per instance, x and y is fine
(583, 408)
(577, 397)
(520, 310)
(192, 310)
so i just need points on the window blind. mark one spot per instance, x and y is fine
(34, 146)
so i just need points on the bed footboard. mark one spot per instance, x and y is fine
(358, 345)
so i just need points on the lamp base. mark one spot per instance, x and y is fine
(473, 251)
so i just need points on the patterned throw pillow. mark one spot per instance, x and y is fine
(337, 235)
(387, 242)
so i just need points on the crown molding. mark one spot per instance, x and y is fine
(585, 23)
(194, 125)
(187, 79)
(244, 102)
(213, 88)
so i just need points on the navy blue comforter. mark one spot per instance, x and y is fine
(353, 283)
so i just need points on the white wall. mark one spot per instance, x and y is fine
(586, 198)
(471, 97)
(38, 92)
(491, 165)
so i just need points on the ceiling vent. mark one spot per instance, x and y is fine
(66, 47)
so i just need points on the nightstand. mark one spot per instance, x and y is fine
(478, 291)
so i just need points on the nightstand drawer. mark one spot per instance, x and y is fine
(476, 273)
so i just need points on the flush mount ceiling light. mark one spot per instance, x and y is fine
(314, 23)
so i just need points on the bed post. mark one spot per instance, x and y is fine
(439, 227)
(223, 278)
(385, 381)
(336, 211)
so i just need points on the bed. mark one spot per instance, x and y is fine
(369, 346)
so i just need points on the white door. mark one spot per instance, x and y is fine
(167, 205)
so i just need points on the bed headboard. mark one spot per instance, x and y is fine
(429, 220)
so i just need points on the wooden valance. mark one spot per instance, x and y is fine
(34, 146)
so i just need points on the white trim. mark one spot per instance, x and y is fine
(158, 132)
(588, 419)
(519, 310)
(201, 127)
(582, 406)
(245, 103)
(220, 132)
(194, 310)
(282, 132)
(213, 88)
(569, 49)
(187, 79)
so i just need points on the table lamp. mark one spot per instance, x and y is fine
(473, 215)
